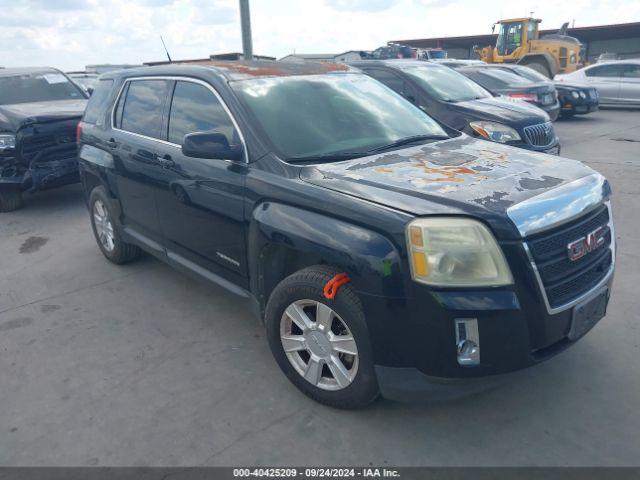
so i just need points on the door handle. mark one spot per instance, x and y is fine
(166, 161)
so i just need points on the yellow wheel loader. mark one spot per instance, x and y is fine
(519, 42)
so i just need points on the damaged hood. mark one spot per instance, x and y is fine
(14, 117)
(460, 175)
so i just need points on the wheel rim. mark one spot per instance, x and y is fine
(319, 345)
(104, 227)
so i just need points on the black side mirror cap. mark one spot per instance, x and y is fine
(213, 145)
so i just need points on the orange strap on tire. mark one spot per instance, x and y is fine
(333, 285)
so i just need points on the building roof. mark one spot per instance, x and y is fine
(319, 56)
(584, 34)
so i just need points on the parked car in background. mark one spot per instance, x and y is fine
(617, 82)
(39, 111)
(85, 80)
(456, 101)
(508, 84)
(574, 99)
(386, 253)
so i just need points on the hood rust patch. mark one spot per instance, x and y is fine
(461, 169)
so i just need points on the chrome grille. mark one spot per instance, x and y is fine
(562, 279)
(540, 135)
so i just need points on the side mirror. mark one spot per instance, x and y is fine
(90, 90)
(214, 145)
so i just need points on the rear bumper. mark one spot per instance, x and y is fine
(552, 110)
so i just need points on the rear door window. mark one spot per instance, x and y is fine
(631, 71)
(195, 108)
(98, 102)
(605, 71)
(143, 107)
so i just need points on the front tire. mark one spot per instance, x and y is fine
(104, 229)
(10, 199)
(322, 345)
(540, 68)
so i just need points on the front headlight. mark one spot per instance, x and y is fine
(7, 141)
(455, 252)
(575, 94)
(582, 95)
(494, 131)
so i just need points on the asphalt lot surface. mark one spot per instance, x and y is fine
(141, 365)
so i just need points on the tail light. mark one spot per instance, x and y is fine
(78, 132)
(527, 97)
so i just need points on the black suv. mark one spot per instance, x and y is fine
(462, 104)
(39, 112)
(385, 253)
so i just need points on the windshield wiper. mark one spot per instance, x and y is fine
(406, 141)
(327, 157)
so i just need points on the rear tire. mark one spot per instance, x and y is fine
(105, 231)
(10, 199)
(330, 359)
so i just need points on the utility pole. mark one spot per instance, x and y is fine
(245, 23)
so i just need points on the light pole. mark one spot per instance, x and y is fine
(245, 24)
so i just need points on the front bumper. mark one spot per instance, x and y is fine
(40, 175)
(510, 342)
(580, 106)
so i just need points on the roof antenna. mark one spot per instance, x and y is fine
(165, 49)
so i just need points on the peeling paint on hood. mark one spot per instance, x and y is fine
(459, 172)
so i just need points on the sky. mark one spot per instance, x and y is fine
(69, 34)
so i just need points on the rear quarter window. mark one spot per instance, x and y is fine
(95, 112)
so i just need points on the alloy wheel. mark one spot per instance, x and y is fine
(104, 226)
(319, 345)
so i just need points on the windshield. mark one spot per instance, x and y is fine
(37, 87)
(445, 84)
(323, 115)
(86, 82)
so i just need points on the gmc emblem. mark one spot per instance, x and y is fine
(579, 248)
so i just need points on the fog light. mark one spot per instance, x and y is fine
(467, 341)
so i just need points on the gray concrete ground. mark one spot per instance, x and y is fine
(140, 365)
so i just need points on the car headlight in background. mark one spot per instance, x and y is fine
(7, 141)
(455, 252)
(494, 131)
(582, 95)
(575, 94)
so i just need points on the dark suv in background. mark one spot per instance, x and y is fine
(453, 99)
(385, 253)
(502, 82)
(39, 112)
